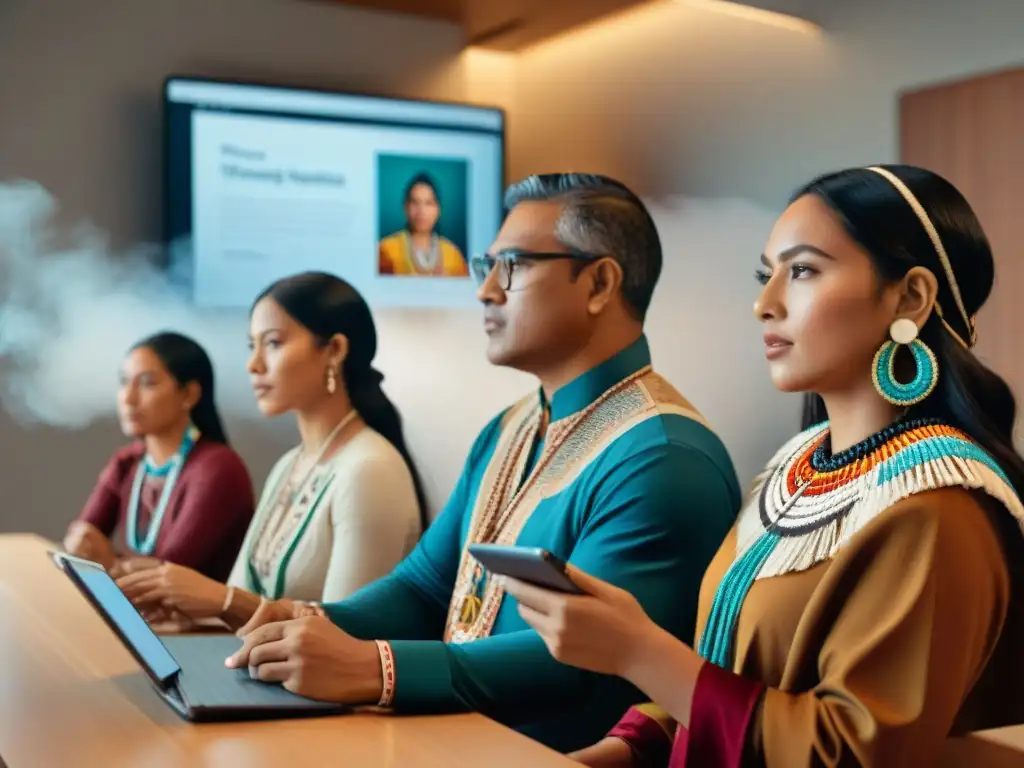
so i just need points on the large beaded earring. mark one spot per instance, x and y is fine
(332, 381)
(903, 332)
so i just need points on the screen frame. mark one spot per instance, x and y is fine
(167, 235)
(68, 564)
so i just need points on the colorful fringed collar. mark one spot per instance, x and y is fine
(807, 504)
(815, 502)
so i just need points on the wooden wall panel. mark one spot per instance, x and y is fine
(972, 132)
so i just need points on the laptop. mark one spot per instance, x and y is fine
(187, 670)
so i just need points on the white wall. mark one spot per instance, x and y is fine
(679, 98)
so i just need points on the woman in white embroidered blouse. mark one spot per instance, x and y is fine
(341, 509)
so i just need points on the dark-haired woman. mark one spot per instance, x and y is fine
(419, 249)
(342, 508)
(178, 493)
(867, 605)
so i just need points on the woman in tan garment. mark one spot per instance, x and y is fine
(866, 605)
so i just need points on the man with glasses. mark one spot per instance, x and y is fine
(605, 465)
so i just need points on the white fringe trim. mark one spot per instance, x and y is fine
(800, 552)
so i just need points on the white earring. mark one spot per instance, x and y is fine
(903, 331)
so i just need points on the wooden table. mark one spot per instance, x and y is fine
(71, 695)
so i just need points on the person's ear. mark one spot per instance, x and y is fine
(918, 293)
(605, 282)
(192, 392)
(337, 350)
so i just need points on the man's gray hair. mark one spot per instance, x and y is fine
(601, 217)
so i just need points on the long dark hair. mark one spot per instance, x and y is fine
(875, 214)
(327, 305)
(186, 361)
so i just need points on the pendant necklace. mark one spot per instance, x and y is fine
(284, 496)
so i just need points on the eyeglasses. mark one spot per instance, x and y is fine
(505, 263)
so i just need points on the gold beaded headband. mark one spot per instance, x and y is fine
(933, 235)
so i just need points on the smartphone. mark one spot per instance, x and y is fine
(530, 564)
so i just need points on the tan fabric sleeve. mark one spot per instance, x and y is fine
(906, 618)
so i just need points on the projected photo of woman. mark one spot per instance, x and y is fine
(419, 248)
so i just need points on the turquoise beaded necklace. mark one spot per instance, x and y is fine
(716, 641)
(170, 470)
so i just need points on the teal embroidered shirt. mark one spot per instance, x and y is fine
(647, 515)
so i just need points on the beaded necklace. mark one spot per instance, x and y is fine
(171, 470)
(425, 262)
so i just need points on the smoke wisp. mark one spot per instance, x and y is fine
(70, 309)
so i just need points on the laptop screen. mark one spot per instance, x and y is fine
(122, 617)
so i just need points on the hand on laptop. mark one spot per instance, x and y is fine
(313, 658)
(128, 565)
(269, 612)
(175, 587)
(278, 610)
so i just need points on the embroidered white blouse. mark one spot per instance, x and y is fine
(353, 520)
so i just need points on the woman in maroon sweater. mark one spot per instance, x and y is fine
(178, 492)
